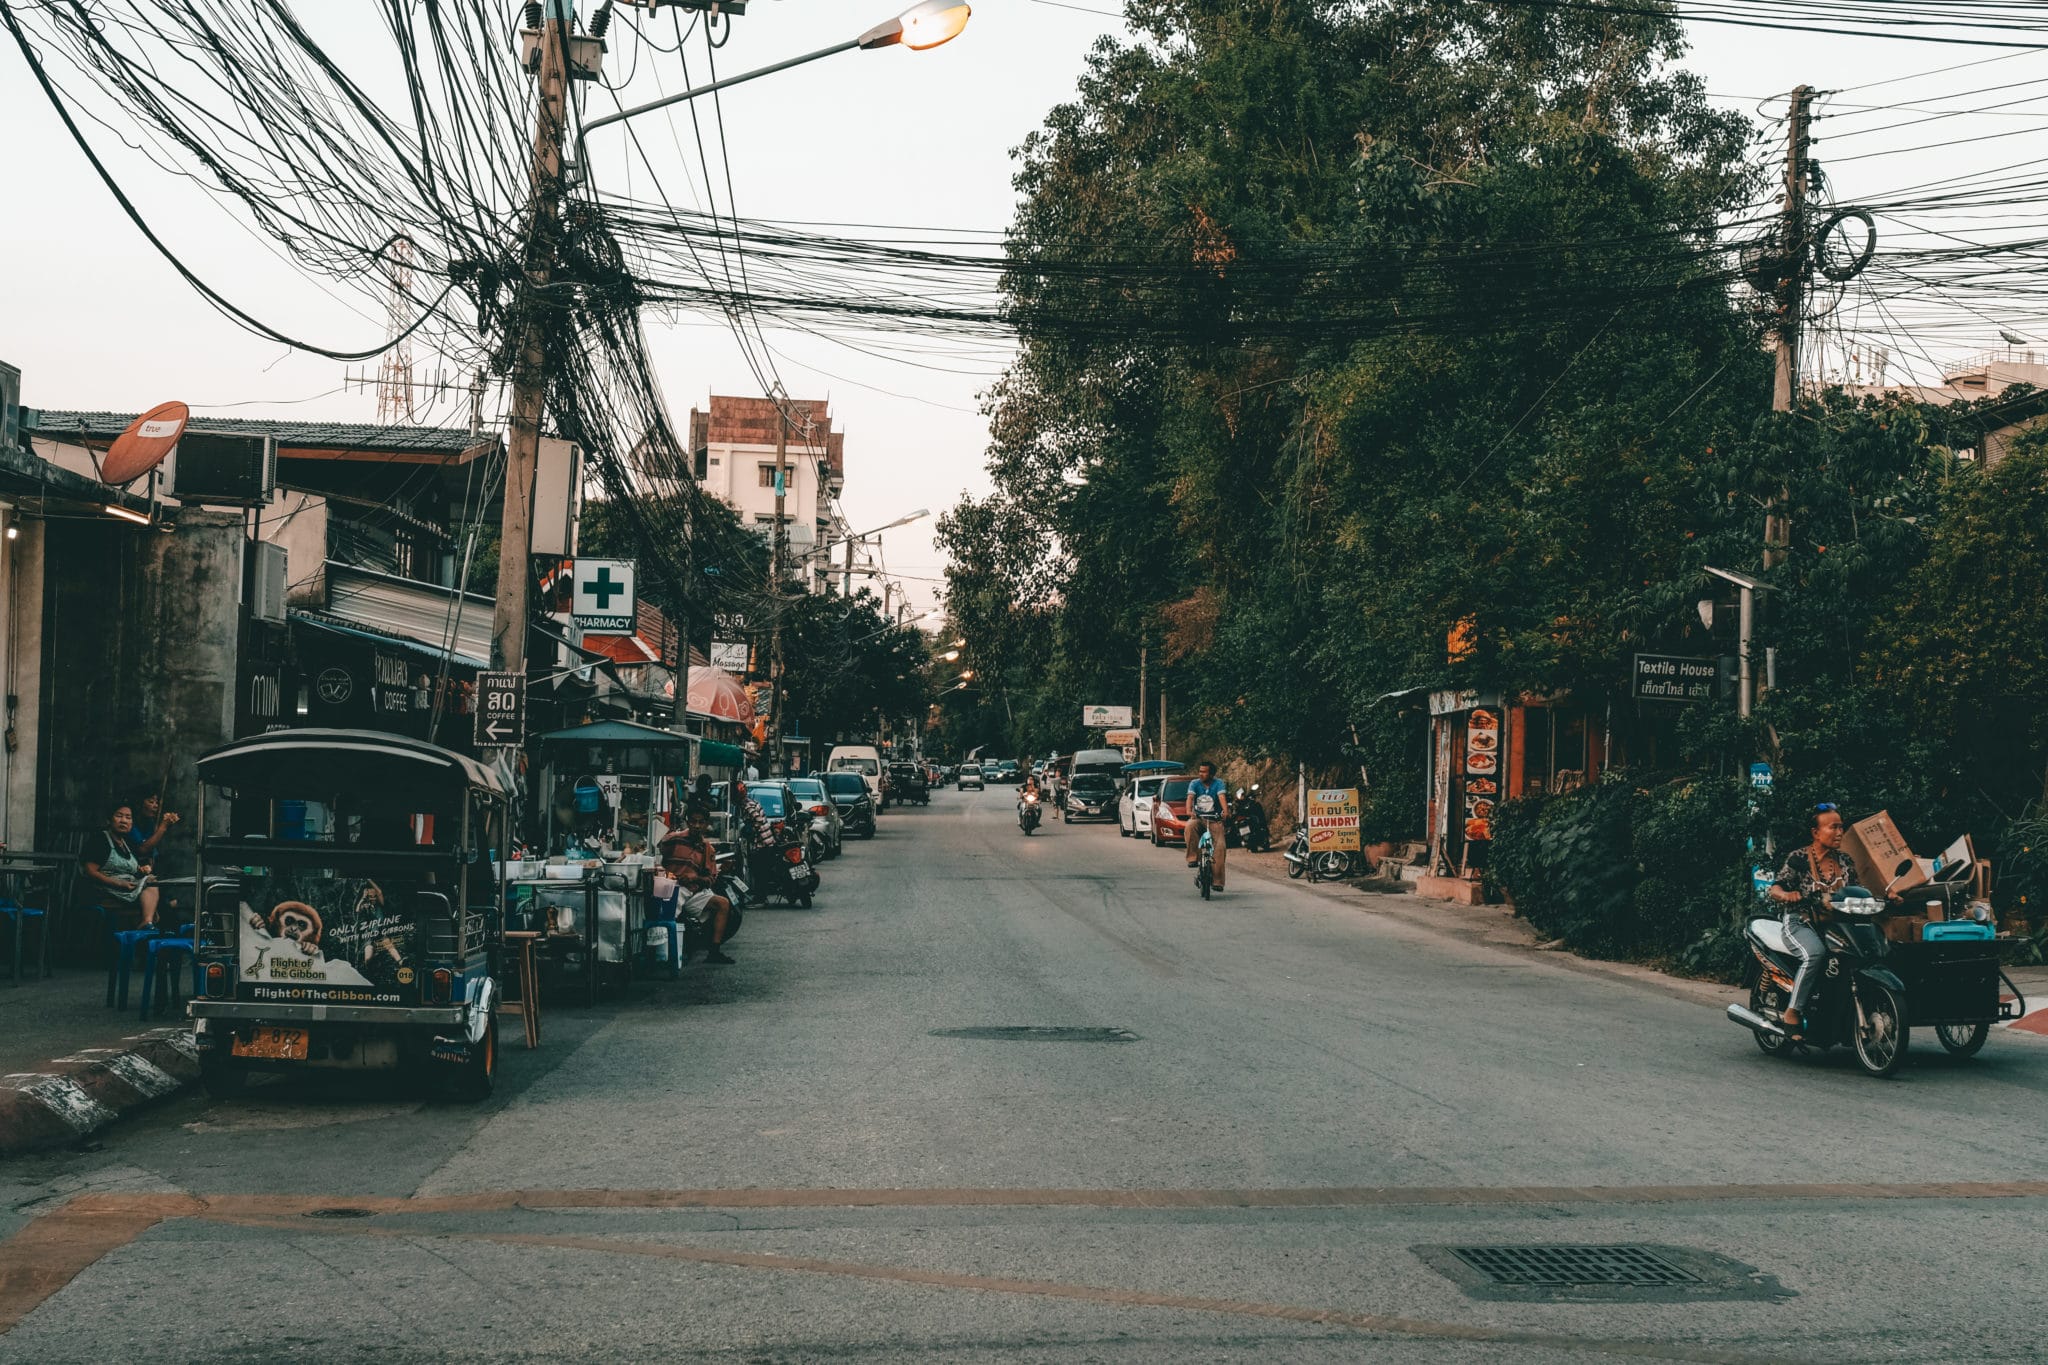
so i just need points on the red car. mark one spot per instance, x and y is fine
(1170, 813)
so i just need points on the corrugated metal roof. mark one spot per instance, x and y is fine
(59, 423)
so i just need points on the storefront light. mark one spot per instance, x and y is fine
(125, 514)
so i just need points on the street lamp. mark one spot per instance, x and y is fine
(924, 25)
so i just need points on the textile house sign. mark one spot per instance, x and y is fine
(1673, 677)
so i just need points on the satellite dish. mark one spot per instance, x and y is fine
(144, 444)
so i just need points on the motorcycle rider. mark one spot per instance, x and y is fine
(1815, 870)
(1208, 808)
(1029, 789)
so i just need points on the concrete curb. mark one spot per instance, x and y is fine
(80, 1094)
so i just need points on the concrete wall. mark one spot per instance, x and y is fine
(298, 521)
(142, 635)
(21, 666)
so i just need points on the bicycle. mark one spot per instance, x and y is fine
(1205, 863)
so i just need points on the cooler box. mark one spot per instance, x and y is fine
(1956, 930)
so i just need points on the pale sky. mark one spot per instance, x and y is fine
(95, 319)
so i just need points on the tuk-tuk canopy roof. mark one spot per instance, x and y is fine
(618, 746)
(358, 757)
(1153, 765)
(616, 732)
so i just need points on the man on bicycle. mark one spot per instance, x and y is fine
(1208, 808)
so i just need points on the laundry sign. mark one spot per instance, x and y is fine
(1333, 817)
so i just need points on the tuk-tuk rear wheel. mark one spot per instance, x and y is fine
(222, 1077)
(1962, 1040)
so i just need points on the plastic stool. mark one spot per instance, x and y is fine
(121, 944)
(20, 915)
(175, 944)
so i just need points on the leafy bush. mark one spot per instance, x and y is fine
(1626, 871)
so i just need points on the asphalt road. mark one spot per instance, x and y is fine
(803, 1157)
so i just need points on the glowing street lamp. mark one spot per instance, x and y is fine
(924, 25)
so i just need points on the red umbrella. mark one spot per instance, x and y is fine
(715, 692)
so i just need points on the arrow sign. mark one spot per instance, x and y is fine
(500, 710)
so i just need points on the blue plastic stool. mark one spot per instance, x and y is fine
(121, 946)
(665, 918)
(20, 915)
(175, 944)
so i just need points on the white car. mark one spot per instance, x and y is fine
(970, 776)
(1134, 807)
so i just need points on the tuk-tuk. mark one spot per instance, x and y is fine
(356, 918)
(907, 783)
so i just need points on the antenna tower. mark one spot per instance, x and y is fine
(394, 376)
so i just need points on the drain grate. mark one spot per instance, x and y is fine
(1563, 1267)
(342, 1213)
(1038, 1033)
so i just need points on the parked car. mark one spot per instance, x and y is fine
(856, 803)
(1090, 796)
(864, 759)
(1134, 807)
(1170, 813)
(970, 776)
(811, 791)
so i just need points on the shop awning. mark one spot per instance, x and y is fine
(715, 754)
(404, 644)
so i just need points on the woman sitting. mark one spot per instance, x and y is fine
(110, 861)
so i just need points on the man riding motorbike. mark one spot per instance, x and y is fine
(1208, 808)
(1029, 794)
(1815, 870)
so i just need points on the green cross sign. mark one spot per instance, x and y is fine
(603, 595)
(602, 588)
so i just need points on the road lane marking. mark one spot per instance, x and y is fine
(1373, 1323)
(52, 1249)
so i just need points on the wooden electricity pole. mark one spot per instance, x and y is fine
(529, 364)
(1796, 258)
(777, 547)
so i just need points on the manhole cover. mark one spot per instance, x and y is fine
(1601, 1273)
(1551, 1267)
(342, 1213)
(1039, 1033)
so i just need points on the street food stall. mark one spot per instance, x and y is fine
(1486, 748)
(607, 792)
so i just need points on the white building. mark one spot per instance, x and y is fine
(733, 445)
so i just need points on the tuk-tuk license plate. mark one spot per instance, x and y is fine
(276, 1044)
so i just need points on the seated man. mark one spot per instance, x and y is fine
(688, 856)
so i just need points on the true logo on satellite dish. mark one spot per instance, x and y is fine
(144, 444)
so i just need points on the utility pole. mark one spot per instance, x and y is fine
(776, 550)
(529, 364)
(846, 579)
(1795, 256)
(1141, 701)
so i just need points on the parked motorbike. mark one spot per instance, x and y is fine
(813, 837)
(1248, 828)
(1028, 813)
(1327, 865)
(1856, 1002)
(784, 870)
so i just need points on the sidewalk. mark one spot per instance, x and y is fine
(69, 1065)
(1499, 928)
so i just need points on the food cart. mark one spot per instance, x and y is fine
(608, 792)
